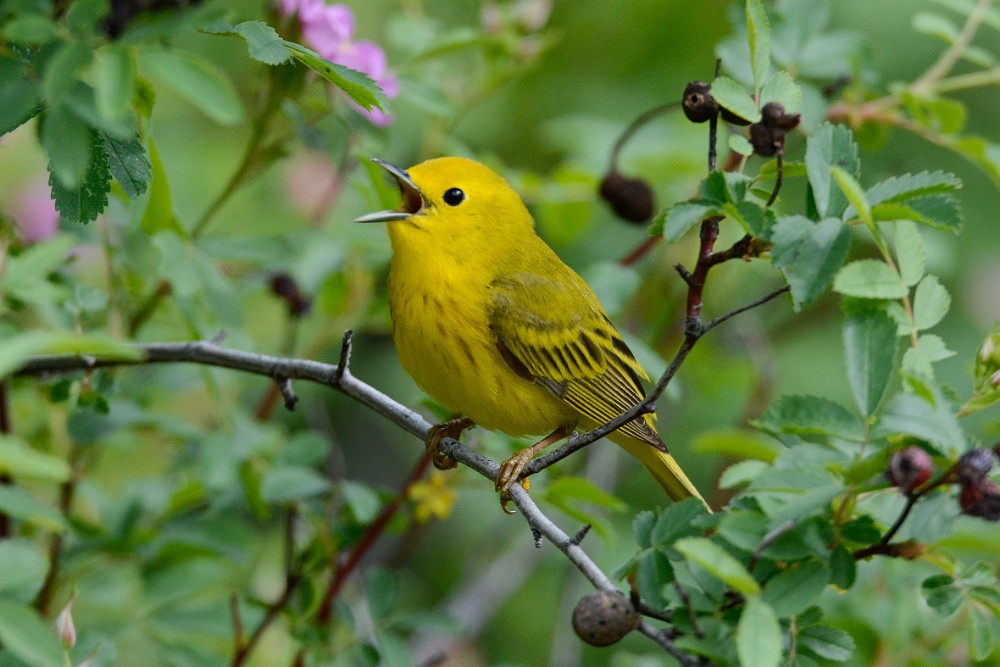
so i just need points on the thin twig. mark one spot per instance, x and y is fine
(925, 83)
(6, 527)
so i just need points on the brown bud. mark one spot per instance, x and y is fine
(909, 468)
(602, 618)
(981, 499)
(631, 198)
(284, 287)
(974, 465)
(767, 136)
(698, 103)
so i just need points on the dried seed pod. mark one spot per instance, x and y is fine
(909, 468)
(974, 465)
(981, 499)
(631, 198)
(602, 618)
(698, 103)
(284, 286)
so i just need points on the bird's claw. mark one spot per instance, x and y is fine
(448, 429)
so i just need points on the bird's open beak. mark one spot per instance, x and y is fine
(412, 202)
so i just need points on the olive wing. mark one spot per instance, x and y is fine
(556, 334)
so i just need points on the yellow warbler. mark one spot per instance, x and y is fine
(493, 325)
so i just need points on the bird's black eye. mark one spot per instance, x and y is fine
(454, 197)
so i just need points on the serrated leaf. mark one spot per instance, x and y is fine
(740, 144)
(758, 635)
(653, 574)
(855, 196)
(114, 81)
(755, 219)
(28, 637)
(869, 354)
(732, 96)
(358, 86)
(199, 81)
(67, 141)
(759, 38)
(717, 562)
(681, 217)
(782, 88)
(61, 69)
(794, 590)
(87, 199)
(811, 415)
(916, 416)
(642, 527)
(912, 186)
(941, 594)
(741, 473)
(830, 146)
(809, 254)
(869, 279)
(20, 99)
(737, 443)
(263, 43)
(677, 520)
(938, 211)
(128, 164)
(21, 461)
(910, 255)
(826, 642)
(934, 348)
(931, 302)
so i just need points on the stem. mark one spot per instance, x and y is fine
(926, 82)
(6, 427)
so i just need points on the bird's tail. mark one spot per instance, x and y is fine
(662, 466)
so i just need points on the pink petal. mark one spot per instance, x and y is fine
(327, 28)
(35, 212)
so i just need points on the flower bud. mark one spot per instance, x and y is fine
(974, 465)
(909, 468)
(283, 286)
(630, 198)
(981, 499)
(698, 103)
(65, 628)
(602, 618)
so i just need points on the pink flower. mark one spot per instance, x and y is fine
(35, 212)
(329, 30)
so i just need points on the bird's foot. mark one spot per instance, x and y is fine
(510, 472)
(447, 429)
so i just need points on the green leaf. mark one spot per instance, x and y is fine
(34, 29)
(854, 194)
(830, 146)
(681, 217)
(19, 96)
(382, 588)
(756, 220)
(653, 574)
(285, 483)
(930, 303)
(68, 142)
(128, 164)
(358, 86)
(28, 637)
(758, 635)
(740, 144)
(737, 443)
(869, 279)
(843, 568)
(678, 520)
(912, 186)
(361, 499)
(199, 81)
(21, 461)
(826, 642)
(743, 529)
(792, 591)
(88, 198)
(159, 214)
(263, 42)
(732, 96)
(17, 503)
(717, 562)
(114, 80)
(811, 415)
(983, 631)
(743, 472)
(870, 355)
(935, 25)
(26, 276)
(61, 69)
(910, 253)
(571, 494)
(782, 88)
(938, 211)
(809, 254)
(24, 570)
(916, 416)
(642, 528)
(759, 37)
(933, 347)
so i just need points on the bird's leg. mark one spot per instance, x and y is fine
(447, 429)
(510, 470)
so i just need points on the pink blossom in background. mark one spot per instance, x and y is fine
(35, 212)
(329, 30)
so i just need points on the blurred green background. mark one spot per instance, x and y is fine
(548, 124)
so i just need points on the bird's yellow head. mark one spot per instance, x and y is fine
(454, 205)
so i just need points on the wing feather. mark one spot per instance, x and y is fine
(558, 335)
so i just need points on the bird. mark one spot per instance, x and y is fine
(491, 323)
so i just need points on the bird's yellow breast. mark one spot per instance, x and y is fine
(442, 335)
